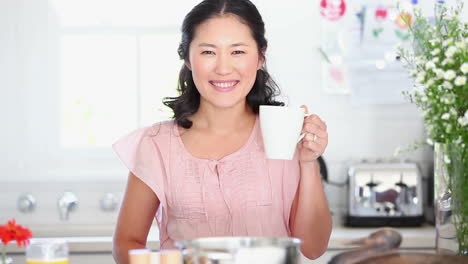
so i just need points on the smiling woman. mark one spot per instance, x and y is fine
(205, 173)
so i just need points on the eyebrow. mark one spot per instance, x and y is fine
(214, 46)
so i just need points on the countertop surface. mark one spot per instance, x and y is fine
(413, 238)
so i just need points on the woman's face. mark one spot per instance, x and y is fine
(224, 60)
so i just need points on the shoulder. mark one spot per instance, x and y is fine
(162, 128)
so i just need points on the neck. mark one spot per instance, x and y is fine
(223, 120)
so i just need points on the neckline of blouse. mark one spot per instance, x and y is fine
(253, 133)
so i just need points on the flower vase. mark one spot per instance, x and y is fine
(451, 197)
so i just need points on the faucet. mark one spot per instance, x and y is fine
(67, 203)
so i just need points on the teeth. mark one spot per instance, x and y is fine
(224, 85)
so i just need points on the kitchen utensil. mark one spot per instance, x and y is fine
(384, 194)
(241, 250)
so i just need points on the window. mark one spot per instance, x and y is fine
(118, 59)
(82, 74)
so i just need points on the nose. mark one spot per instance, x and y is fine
(223, 65)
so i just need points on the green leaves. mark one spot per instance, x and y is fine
(436, 52)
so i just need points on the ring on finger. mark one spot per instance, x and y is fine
(315, 138)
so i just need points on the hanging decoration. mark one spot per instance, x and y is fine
(380, 16)
(332, 10)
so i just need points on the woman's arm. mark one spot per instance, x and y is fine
(310, 216)
(136, 214)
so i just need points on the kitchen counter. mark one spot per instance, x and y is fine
(92, 244)
(97, 249)
(413, 238)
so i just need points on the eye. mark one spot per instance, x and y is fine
(237, 52)
(209, 52)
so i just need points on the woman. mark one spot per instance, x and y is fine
(205, 172)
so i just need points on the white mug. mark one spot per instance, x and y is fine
(281, 130)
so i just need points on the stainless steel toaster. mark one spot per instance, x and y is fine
(384, 194)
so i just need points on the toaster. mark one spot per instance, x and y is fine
(384, 194)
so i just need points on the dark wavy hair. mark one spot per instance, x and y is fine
(264, 89)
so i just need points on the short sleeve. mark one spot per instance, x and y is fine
(142, 157)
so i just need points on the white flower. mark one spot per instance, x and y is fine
(447, 42)
(445, 116)
(435, 60)
(446, 159)
(445, 100)
(430, 82)
(452, 110)
(449, 99)
(459, 140)
(451, 51)
(419, 60)
(460, 45)
(435, 52)
(413, 73)
(439, 73)
(460, 80)
(447, 61)
(424, 98)
(430, 65)
(430, 142)
(434, 42)
(421, 74)
(448, 128)
(447, 85)
(449, 75)
(419, 88)
(462, 121)
(464, 67)
(424, 114)
(419, 79)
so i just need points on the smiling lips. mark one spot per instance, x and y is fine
(224, 86)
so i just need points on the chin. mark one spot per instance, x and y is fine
(227, 103)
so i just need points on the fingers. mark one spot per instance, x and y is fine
(316, 120)
(314, 146)
(306, 109)
(314, 129)
(316, 135)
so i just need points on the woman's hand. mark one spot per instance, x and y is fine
(315, 140)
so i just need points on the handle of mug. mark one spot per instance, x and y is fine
(303, 134)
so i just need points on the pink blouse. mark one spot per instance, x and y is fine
(242, 194)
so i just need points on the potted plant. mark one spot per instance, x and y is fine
(437, 58)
